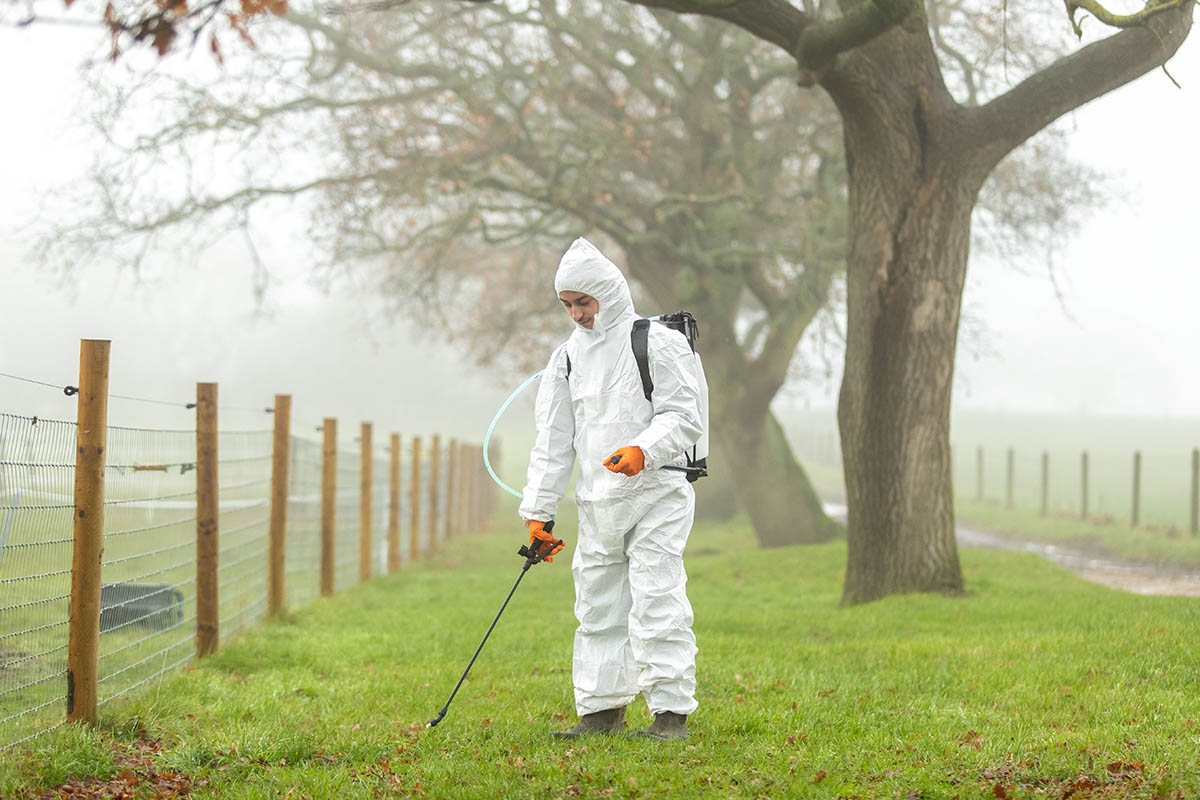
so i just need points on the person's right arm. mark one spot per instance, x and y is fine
(553, 453)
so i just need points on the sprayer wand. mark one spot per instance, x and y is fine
(534, 553)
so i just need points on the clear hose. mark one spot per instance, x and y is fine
(486, 439)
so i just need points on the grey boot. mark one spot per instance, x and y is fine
(667, 727)
(609, 721)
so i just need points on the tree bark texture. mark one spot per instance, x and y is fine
(910, 210)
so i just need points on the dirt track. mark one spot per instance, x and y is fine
(1129, 576)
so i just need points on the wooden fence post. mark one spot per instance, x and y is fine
(435, 468)
(472, 475)
(393, 529)
(1083, 472)
(328, 504)
(1008, 481)
(207, 536)
(91, 444)
(464, 484)
(473, 499)
(1045, 483)
(487, 497)
(483, 503)
(1195, 491)
(979, 474)
(451, 487)
(414, 500)
(1137, 485)
(280, 458)
(366, 477)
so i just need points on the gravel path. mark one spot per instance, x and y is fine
(1129, 576)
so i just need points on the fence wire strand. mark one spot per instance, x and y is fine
(148, 573)
(36, 516)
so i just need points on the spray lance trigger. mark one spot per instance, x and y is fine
(537, 551)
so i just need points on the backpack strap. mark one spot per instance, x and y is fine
(639, 337)
(568, 357)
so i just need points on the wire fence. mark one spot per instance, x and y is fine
(37, 469)
(148, 596)
(1157, 486)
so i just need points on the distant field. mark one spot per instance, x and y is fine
(1166, 446)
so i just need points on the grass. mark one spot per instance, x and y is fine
(1161, 544)
(1034, 684)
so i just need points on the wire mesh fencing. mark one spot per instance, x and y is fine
(37, 473)
(148, 570)
(148, 589)
(244, 480)
(303, 554)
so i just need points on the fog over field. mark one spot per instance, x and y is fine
(1115, 333)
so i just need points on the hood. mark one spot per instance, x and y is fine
(584, 268)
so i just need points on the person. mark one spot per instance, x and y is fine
(635, 621)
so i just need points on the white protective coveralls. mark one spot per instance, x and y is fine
(635, 621)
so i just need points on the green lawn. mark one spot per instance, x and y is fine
(1035, 684)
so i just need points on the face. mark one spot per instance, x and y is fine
(582, 307)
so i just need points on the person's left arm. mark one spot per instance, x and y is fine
(676, 424)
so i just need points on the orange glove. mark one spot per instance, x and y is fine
(627, 461)
(540, 538)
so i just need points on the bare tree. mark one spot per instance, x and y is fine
(450, 153)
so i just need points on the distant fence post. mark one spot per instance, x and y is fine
(451, 487)
(328, 503)
(979, 474)
(414, 500)
(435, 467)
(393, 529)
(1137, 486)
(280, 457)
(486, 495)
(91, 440)
(1083, 474)
(474, 476)
(1008, 480)
(473, 498)
(366, 479)
(1045, 483)
(1195, 491)
(466, 457)
(207, 537)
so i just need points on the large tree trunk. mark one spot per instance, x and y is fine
(894, 405)
(910, 213)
